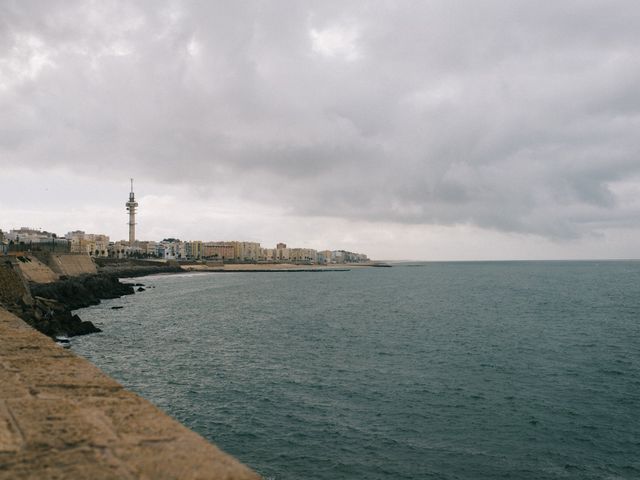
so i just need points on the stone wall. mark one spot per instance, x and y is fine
(61, 417)
(13, 289)
(33, 270)
(72, 265)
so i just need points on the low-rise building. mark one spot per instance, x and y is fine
(282, 253)
(148, 248)
(303, 255)
(268, 254)
(93, 244)
(343, 256)
(324, 257)
(27, 239)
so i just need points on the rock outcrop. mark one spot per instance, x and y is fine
(45, 297)
(83, 291)
(50, 311)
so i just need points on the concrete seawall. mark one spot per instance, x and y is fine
(33, 270)
(61, 417)
(72, 265)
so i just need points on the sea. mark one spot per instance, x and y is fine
(453, 370)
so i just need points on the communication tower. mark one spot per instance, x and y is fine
(131, 208)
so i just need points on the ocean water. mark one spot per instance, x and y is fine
(515, 370)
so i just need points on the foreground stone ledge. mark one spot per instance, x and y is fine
(61, 417)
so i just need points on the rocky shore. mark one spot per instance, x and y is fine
(46, 298)
(60, 417)
(48, 307)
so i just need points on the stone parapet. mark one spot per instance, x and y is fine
(61, 417)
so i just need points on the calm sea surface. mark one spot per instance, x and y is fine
(518, 370)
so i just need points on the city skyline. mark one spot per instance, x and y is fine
(98, 245)
(408, 131)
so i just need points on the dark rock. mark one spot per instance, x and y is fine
(81, 292)
(118, 307)
(54, 302)
(56, 320)
(141, 289)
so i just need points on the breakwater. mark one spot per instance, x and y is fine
(61, 417)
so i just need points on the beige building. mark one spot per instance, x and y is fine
(303, 255)
(148, 248)
(218, 250)
(246, 251)
(93, 244)
(194, 249)
(282, 254)
(268, 254)
(324, 256)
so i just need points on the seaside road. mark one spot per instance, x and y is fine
(61, 418)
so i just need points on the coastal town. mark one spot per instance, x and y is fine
(26, 239)
(99, 245)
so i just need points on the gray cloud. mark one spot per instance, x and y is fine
(513, 116)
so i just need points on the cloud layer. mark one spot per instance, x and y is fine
(510, 116)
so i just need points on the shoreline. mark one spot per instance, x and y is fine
(49, 305)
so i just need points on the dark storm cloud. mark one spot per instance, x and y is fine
(516, 116)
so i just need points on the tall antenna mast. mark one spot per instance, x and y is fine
(131, 208)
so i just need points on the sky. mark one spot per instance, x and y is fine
(427, 130)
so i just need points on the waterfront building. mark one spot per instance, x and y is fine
(147, 248)
(218, 250)
(268, 254)
(194, 250)
(172, 249)
(343, 256)
(27, 239)
(282, 253)
(93, 244)
(181, 250)
(116, 249)
(29, 235)
(324, 257)
(246, 251)
(303, 255)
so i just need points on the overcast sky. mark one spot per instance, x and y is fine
(406, 130)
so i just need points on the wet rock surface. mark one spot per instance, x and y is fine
(81, 292)
(53, 303)
(48, 307)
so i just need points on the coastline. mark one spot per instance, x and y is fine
(60, 416)
(46, 299)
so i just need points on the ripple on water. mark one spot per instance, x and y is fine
(451, 371)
